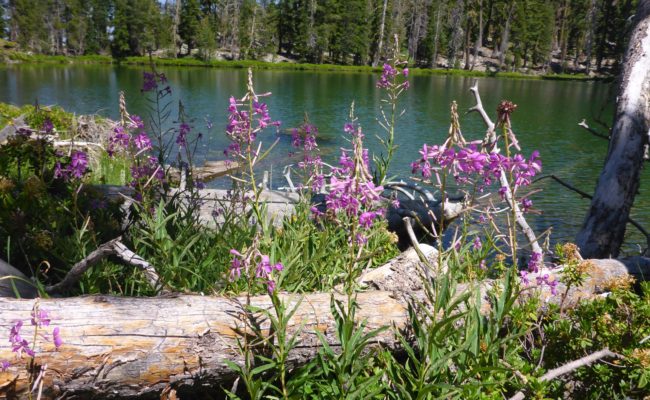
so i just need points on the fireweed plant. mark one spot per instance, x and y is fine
(393, 83)
(476, 169)
(20, 345)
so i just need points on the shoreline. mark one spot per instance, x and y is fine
(23, 58)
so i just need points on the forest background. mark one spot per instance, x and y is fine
(532, 36)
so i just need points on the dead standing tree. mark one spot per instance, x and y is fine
(603, 231)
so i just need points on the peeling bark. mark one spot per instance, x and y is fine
(603, 230)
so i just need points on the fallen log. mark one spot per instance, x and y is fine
(118, 347)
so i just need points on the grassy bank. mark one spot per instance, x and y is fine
(19, 57)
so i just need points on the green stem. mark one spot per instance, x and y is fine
(512, 225)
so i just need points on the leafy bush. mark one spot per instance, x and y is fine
(46, 222)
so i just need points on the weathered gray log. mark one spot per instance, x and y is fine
(603, 230)
(118, 347)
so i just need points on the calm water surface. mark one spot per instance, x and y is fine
(546, 118)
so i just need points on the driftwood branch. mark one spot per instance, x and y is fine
(490, 140)
(111, 248)
(570, 367)
(591, 130)
(117, 347)
(503, 179)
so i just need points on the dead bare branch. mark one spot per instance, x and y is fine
(113, 247)
(570, 367)
(491, 142)
(591, 130)
(586, 195)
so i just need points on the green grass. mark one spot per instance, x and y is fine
(262, 65)
(8, 112)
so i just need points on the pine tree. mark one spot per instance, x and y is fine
(190, 23)
(97, 32)
(27, 27)
(205, 39)
(76, 25)
(3, 23)
(120, 45)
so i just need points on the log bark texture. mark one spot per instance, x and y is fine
(118, 347)
(603, 230)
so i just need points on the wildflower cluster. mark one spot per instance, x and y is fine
(388, 79)
(242, 264)
(153, 81)
(466, 163)
(19, 345)
(131, 140)
(393, 84)
(304, 137)
(352, 193)
(75, 168)
(244, 125)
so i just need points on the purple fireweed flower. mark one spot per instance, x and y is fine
(535, 262)
(544, 281)
(310, 142)
(59, 171)
(387, 76)
(18, 344)
(78, 164)
(361, 239)
(14, 332)
(405, 72)
(183, 130)
(137, 122)
(240, 128)
(236, 265)
(477, 245)
(149, 82)
(296, 140)
(40, 318)
(4, 365)
(142, 142)
(316, 213)
(48, 126)
(317, 182)
(524, 277)
(526, 204)
(366, 219)
(56, 337)
(503, 191)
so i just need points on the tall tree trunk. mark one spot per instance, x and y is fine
(382, 26)
(479, 39)
(457, 33)
(468, 28)
(603, 231)
(436, 38)
(564, 37)
(505, 35)
(176, 38)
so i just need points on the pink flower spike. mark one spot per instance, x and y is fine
(56, 337)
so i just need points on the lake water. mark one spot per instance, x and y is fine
(546, 118)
